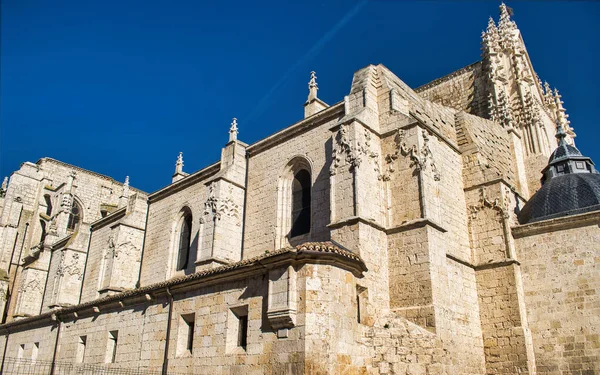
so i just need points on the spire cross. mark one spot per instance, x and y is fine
(233, 131)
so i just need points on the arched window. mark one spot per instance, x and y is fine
(300, 203)
(74, 216)
(185, 234)
(48, 205)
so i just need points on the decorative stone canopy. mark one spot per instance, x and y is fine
(570, 185)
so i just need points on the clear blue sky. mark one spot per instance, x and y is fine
(120, 87)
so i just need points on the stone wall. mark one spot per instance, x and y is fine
(311, 141)
(560, 262)
(463, 90)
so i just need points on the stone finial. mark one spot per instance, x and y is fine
(125, 195)
(71, 178)
(312, 86)
(5, 183)
(179, 163)
(233, 130)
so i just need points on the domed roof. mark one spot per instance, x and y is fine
(570, 185)
(569, 194)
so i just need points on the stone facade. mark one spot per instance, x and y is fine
(377, 235)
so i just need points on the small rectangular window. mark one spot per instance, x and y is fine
(111, 347)
(80, 355)
(185, 334)
(237, 329)
(34, 351)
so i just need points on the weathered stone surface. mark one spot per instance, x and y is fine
(410, 259)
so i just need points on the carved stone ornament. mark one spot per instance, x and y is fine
(353, 155)
(485, 202)
(418, 160)
(71, 268)
(30, 286)
(220, 206)
(110, 252)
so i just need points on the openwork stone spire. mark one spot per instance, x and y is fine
(312, 86)
(490, 37)
(561, 116)
(179, 163)
(233, 130)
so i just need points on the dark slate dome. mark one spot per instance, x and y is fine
(569, 194)
(563, 152)
(570, 185)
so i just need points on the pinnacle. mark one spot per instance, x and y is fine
(312, 86)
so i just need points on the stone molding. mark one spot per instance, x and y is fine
(552, 225)
(307, 253)
(185, 182)
(296, 129)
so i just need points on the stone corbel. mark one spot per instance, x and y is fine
(282, 309)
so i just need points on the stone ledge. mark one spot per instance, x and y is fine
(413, 224)
(354, 220)
(110, 218)
(484, 266)
(560, 223)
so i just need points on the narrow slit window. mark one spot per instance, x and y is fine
(80, 355)
(243, 331)
(301, 186)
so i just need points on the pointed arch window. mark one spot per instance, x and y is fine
(184, 241)
(74, 217)
(300, 203)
